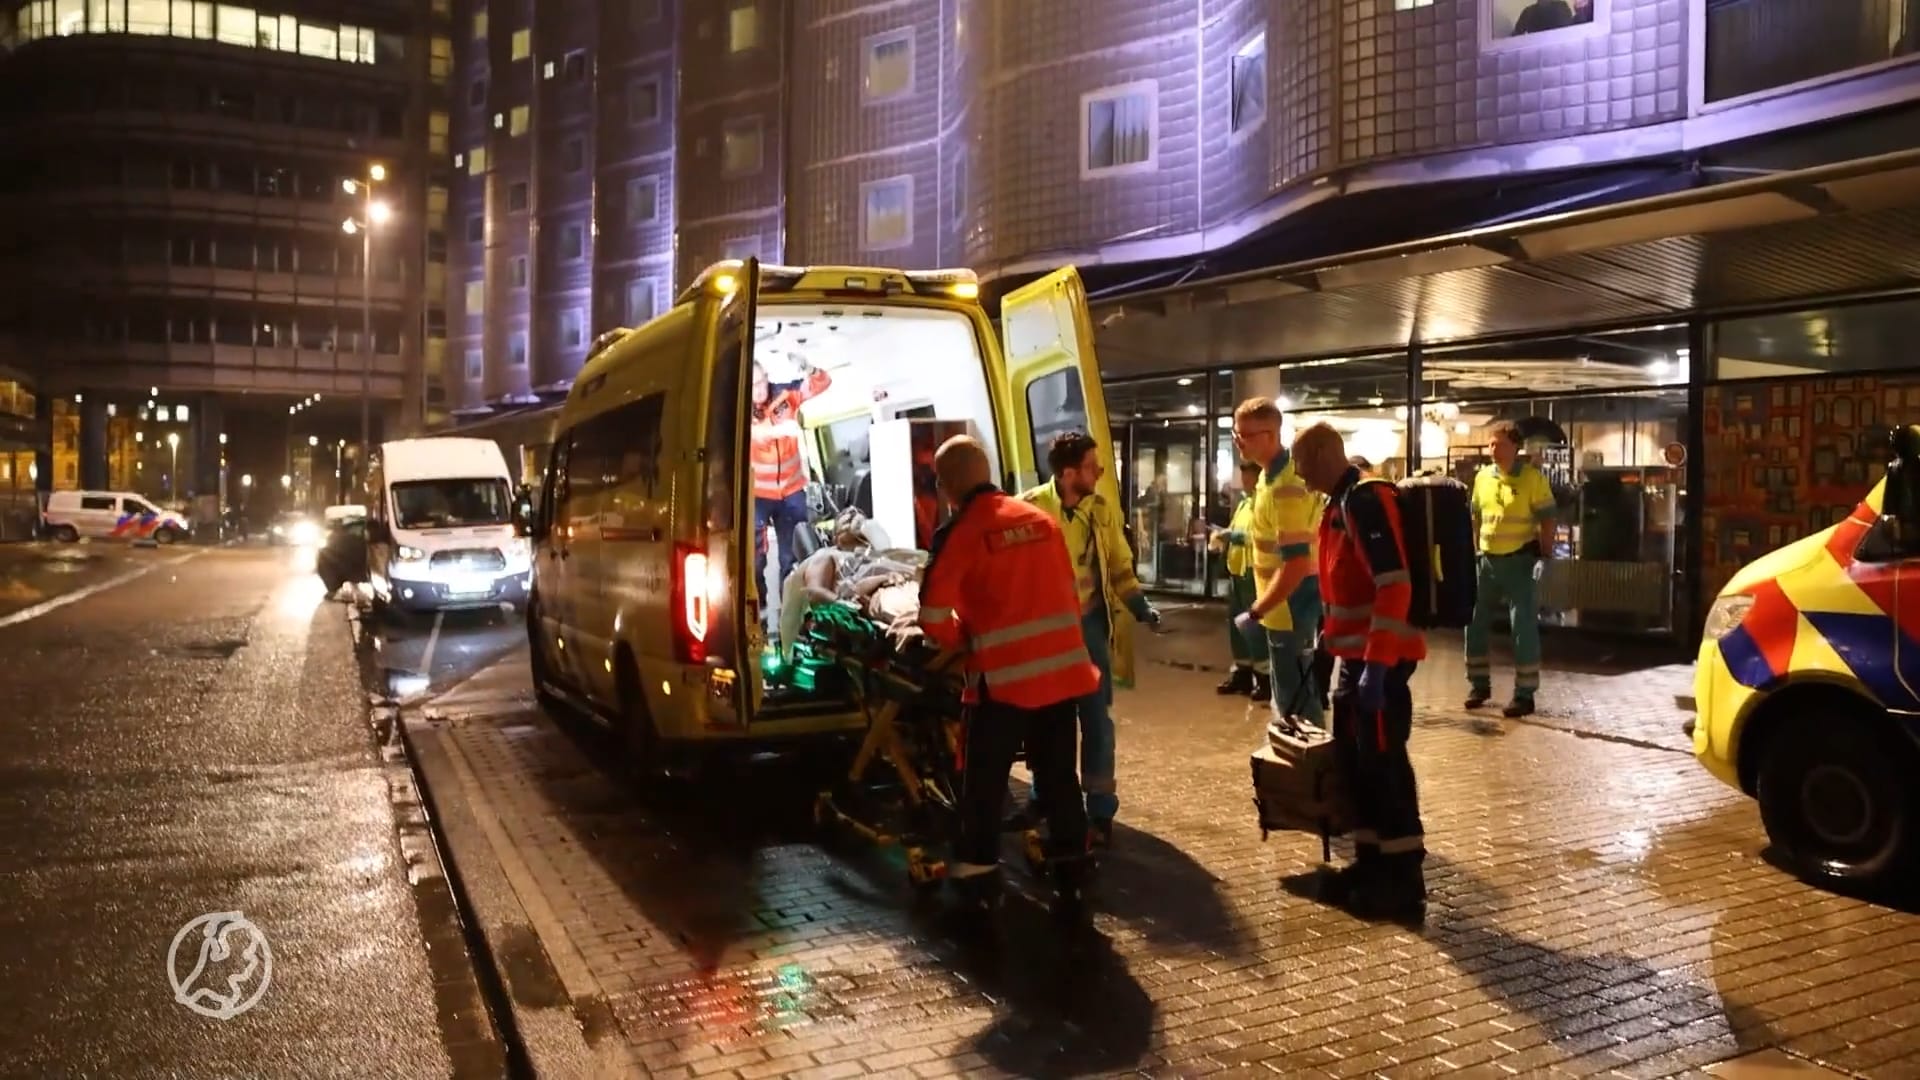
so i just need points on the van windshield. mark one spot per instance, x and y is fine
(440, 504)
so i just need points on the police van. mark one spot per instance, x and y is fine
(1808, 686)
(646, 609)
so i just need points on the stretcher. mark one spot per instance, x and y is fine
(910, 690)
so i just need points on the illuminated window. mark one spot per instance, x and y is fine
(522, 44)
(476, 297)
(479, 25)
(889, 71)
(439, 59)
(740, 147)
(1118, 127)
(886, 214)
(1506, 19)
(320, 42)
(522, 116)
(477, 162)
(743, 27)
(147, 17)
(1409, 5)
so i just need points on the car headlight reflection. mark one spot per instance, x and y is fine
(409, 554)
(1726, 614)
(304, 533)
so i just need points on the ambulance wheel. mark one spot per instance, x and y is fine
(635, 719)
(1834, 796)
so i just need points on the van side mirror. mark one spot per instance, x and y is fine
(525, 521)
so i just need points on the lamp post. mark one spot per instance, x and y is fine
(373, 212)
(173, 473)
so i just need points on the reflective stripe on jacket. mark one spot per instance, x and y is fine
(778, 469)
(1363, 575)
(1284, 512)
(1509, 507)
(1000, 584)
(1095, 538)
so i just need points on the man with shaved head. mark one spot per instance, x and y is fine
(1000, 585)
(1367, 590)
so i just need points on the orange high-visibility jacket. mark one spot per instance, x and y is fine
(1000, 583)
(778, 469)
(1363, 575)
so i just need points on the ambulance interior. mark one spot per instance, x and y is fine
(902, 381)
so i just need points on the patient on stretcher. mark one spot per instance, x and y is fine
(858, 568)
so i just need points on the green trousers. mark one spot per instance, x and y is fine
(1246, 653)
(1508, 580)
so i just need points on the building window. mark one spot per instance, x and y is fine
(479, 26)
(519, 271)
(517, 195)
(643, 200)
(643, 101)
(886, 214)
(1507, 19)
(477, 93)
(576, 66)
(1250, 85)
(743, 27)
(522, 44)
(573, 154)
(573, 242)
(476, 297)
(889, 70)
(550, 70)
(475, 367)
(1119, 127)
(519, 120)
(517, 348)
(477, 162)
(640, 301)
(740, 147)
(476, 229)
(1409, 5)
(571, 328)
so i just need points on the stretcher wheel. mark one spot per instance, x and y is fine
(1036, 849)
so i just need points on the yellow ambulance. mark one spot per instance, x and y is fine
(1808, 687)
(645, 607)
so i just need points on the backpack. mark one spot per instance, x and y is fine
(1436, 523)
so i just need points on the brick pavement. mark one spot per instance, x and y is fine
(1599, 906)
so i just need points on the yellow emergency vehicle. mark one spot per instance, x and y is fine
(1808, 686)
(645, 609)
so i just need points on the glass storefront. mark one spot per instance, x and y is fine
(1790, 403)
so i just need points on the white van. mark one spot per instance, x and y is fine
(443, 528)
(111, 515)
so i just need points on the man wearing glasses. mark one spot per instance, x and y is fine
(1287, 587)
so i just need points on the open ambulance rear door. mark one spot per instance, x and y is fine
(1052, 379)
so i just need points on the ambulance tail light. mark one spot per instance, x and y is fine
(692, 603)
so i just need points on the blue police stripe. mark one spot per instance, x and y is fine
(1745, 662)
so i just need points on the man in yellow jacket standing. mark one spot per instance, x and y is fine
(1287, 583)
(1103, 567)
(1251, 666)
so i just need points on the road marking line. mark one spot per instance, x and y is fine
(433, 639)
(58, 602)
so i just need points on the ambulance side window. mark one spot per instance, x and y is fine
(1055, 406)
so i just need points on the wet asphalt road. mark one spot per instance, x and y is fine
(196, 741)
(31, 574)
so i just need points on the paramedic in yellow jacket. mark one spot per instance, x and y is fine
(1513, 511)
(1286, 517)
(1103, 565)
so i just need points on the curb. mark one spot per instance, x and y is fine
(548, 1007)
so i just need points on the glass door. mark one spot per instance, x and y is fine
(1169, 472)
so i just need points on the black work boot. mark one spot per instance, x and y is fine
(1262, 687)
(1396, 892)
(1337, 887)
(1239, 681)
(1069, 874)
(1478, 697)
(1518, 707)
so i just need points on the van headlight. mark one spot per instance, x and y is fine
(408, 554)
(1726, 614)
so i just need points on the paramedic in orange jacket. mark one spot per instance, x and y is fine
(779, 472)
(1001, 585)
(1365, 585)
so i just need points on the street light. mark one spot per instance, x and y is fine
(373, 213)
(313, 440)
(286, 482)
(173, 474)
(246, 480)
